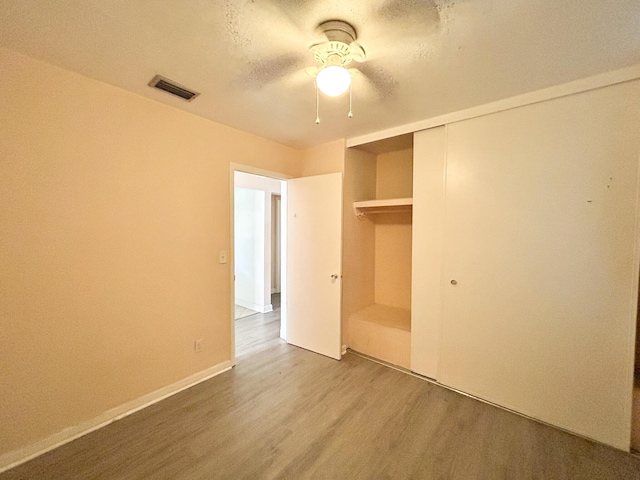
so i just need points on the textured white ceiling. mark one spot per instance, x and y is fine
(247, 58)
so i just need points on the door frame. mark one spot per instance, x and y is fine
(237, 167)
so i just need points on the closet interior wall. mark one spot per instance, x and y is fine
(377, 259)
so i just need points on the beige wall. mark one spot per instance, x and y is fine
(394, 179)
(325, 158)
(114, 208)
(393, 260)
(395, 174)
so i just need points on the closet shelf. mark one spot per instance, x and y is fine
(387, 205)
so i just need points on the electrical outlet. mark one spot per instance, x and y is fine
(197, 345)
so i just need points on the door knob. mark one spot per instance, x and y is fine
(454, 282)
(334, 276)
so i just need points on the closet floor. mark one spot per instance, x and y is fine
(382, 332)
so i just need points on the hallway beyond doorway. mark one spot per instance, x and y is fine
(258, 332)
(241, 312)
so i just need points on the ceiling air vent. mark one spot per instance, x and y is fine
(172, 87)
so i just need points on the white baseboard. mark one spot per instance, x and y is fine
(254, 306)
(22, 455)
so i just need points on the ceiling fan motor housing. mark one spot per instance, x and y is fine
(332, 53)
(337, 30)
(341, 47)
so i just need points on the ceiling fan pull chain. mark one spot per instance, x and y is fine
(317, 106)
(350, 114)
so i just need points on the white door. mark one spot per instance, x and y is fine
(314, 258)
(540, 268)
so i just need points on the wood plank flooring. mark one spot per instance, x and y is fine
(284, 412)
(241, 312)
(258, 332)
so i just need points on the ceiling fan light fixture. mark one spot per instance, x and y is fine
(333, 80)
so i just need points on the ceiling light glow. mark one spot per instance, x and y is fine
(333, 80)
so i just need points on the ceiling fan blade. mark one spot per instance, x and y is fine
(263, 29)
(409, 49)
(423, 11)
(266, 71)
(299, 78)
(378, 80)
(280, 28)
(410, 30)
(357, 52)
(312, 71)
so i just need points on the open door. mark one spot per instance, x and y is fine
(314, 259)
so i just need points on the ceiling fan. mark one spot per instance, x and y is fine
(394, 32)
(332, 77)
(336, 53)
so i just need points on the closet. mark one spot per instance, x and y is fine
(509, 269)
(378, 191)
(533, 280)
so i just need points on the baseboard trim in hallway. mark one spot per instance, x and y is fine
(16, 457)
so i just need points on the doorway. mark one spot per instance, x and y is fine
(310, 259)
(258, 246)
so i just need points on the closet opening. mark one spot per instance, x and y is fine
(378, 191)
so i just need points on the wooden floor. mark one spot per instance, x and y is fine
(258, 332)
(241, 311)
(284, 412)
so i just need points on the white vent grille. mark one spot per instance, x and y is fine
(169, 86)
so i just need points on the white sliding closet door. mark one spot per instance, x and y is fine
(540, 241)
(429, 168)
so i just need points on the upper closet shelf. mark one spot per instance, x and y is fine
(387, 205)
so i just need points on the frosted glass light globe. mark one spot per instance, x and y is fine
(333, 80)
